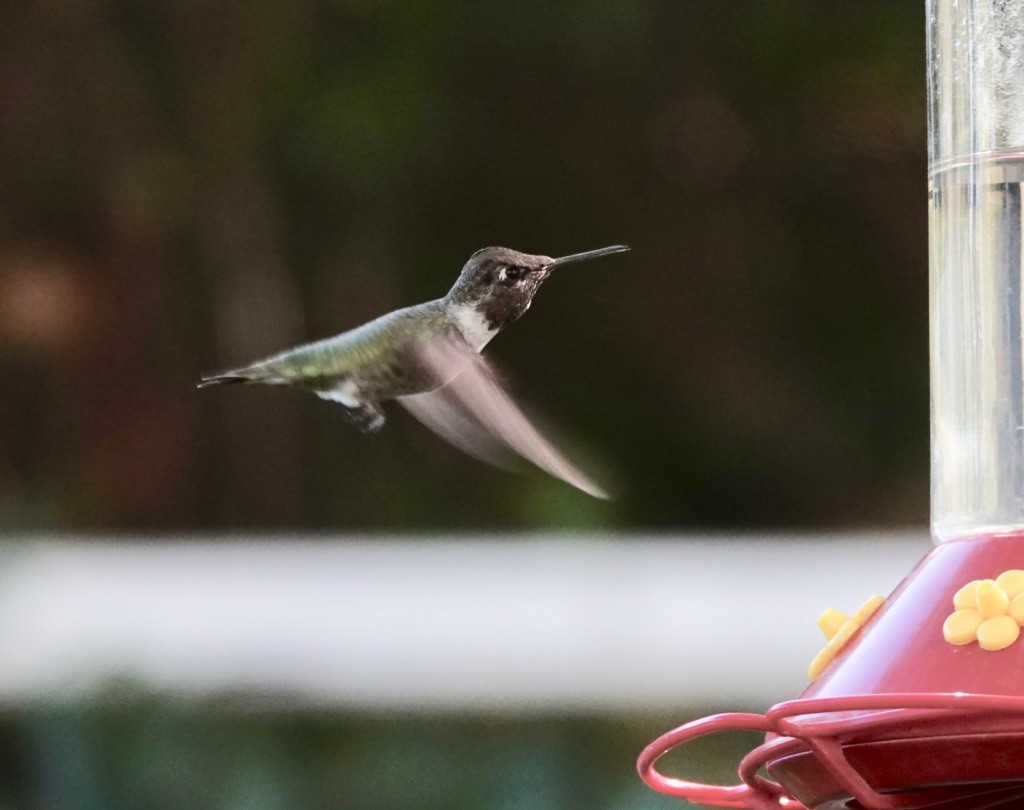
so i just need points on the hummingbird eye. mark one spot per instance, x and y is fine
(510, 273)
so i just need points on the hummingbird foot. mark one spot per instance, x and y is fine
(366, 418)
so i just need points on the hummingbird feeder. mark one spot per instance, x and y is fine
(917, 700)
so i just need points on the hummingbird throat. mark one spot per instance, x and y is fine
(475, 325)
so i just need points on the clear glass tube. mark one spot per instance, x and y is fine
(976, 168)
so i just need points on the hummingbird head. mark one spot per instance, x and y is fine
(498, 284)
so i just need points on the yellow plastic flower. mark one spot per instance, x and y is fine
(989, 611)
(839, 629)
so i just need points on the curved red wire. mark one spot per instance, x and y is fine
(795, 734)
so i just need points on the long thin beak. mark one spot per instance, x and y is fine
(590, 254)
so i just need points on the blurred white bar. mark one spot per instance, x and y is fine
(503, 624)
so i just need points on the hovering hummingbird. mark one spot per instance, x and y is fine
(427, 357)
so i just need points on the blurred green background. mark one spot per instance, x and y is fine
(155, 755)
(188, 185)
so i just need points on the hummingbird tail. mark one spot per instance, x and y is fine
(223, 379)
(241, 376)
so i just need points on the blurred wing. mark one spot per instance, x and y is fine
(473, 412)
(445, 414)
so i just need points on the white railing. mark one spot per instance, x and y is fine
(495, 624)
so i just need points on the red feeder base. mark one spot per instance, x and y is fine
(900, 719)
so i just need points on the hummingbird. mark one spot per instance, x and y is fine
(427, 357)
